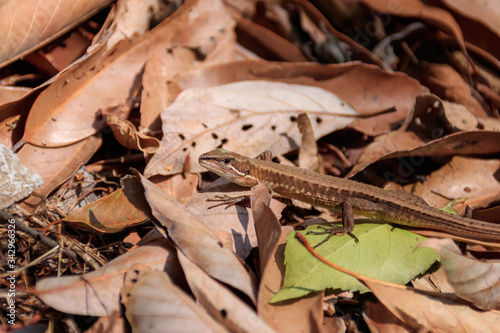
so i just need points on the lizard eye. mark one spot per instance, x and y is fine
(227, 160)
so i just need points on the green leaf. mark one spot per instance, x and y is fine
(383, 252)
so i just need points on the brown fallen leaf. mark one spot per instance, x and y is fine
(109, 214)
(248, 116)
(55, 165)
(479, 22)
(158, 71)
(383, 145)
(223, 305)
(97, 293)
(472, 179)
(153, 302)
(474, 280)
(446, 83)
(461, 143)
(128, 136)
(25, 26)
(196, 241)
(68, 110)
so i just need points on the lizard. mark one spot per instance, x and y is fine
(349, 196)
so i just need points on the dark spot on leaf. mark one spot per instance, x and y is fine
(235, 112)
(467, 189)
(319, 120)
(246, 127)
(184, 149)
(293, 118)
(273, 127)
(224, 141)
(220, 244)
(202, 124)
(134, 280)
(214, 136)
(342, 104)
(170, 51)
(200, 56)
(223, 313)
(182, 136)
(193, 144)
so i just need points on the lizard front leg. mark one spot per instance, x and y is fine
(347, 224)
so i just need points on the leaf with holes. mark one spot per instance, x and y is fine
(248, 117)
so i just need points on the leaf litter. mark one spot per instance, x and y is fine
(186, 78)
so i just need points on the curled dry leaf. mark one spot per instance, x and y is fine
(446, 83)
(110, 214)
(97, 293)
(68, 110)
(479, 22)
(248, 116)
(27, 25)
(153, 302)
(474, 280)
(223, 305)
(128, 136)
(197, 241)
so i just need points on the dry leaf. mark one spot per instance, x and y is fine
(27, 25)
(365, 87)
(67, 111)
(196, 241)
(55, 165)
(97, 293)
(154, 303)
(223, 305)
(236, 220)
(109, 214)
(466, 178)
(474, 280)
(128, 136)
(446, 83)
(248, 116)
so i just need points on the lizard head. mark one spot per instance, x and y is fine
(229, 165)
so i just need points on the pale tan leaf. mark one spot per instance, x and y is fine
(154, 304)
(368, 89)
(128, 136)
(27, 25)
(223, 305)
(474, 280)
(197, 241)
(248, 117)
(133, 16)
(236, 220)
(69, 110)
(97, 293)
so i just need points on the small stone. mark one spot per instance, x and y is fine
(16, 181)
